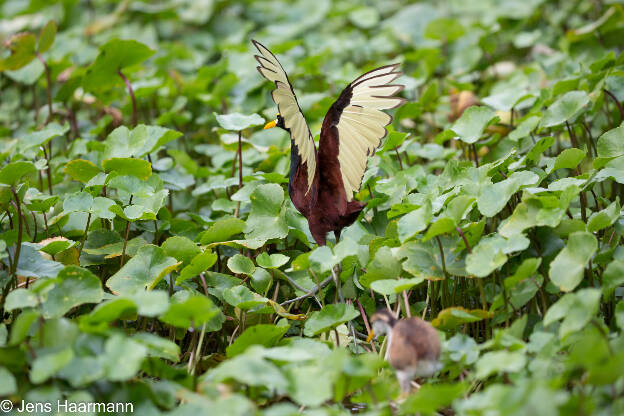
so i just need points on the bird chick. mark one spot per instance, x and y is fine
(413, 346)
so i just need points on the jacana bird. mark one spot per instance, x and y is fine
(321, 183)
(413, 345)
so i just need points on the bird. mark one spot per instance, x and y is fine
(413, 346)
(322, 182)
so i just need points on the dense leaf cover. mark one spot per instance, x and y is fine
(150, 253)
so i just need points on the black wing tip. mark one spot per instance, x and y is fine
(256, 43)
(363, 78)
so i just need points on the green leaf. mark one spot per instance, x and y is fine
(80, 201)
(237, 121)
(114, 55)
(142, 271)
(566, 270)
(28, 74)
(566, 108)
(81, 170)
(484, 259)
(46, 37)
(415, 221)
(252, 370)
(619, 314)
(493, 197)
(182, 248)
(364, 17)
(444, 29)
(576, 310)
(199, 264)
(8, 385)
(611, 143)
(322, 259)
(20, 298)
(82, 370)
(263, 334)
(393, 286)
(107, 312)
(243, 298)
(525, 270)
(152, 138)
(329, 317)
(33, 264)
(452, 317)
(612, 277)
(45, 366)
(21, 327)
(394, 140)
(261, 280)
(497, 362)
(13, 172)
(122, 357)
(151, 303)
(432, 397)
(569, 159)
(272, 261)
(540, 147)
(158, 346)
(524, 129)
(440, 226)
(140, 168)
(470, 126)
(22, 47)
(194, 311)
(43, 136)
(383, 266)
(222, 230)
(240, 264)
(76, 286)
(605, 218)
(267, 216)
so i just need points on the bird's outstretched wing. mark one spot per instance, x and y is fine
(360, 122)
(284, 97)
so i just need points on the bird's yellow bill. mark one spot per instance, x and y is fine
(370, 336)
(270, 125)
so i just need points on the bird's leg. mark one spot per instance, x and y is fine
(337, 235)
(415, 385)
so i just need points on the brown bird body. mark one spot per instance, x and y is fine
(413, 346)
(321, 183)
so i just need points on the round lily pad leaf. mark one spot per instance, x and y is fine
(237, 121)
(115, 55)
(329, 317)
(392, 286)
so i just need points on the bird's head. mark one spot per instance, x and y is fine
(383, 320)
(278, 122)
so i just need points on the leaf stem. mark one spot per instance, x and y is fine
(18, 248)
(396, 150)
(84, 237)
(461, 233)
(474, 151)
(617, 103)
(48, 86)
(132, 98)
(240, 161)
(123, 250)
(48, 156)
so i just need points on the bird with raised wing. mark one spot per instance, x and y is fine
(322, 182)
(413, 347)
